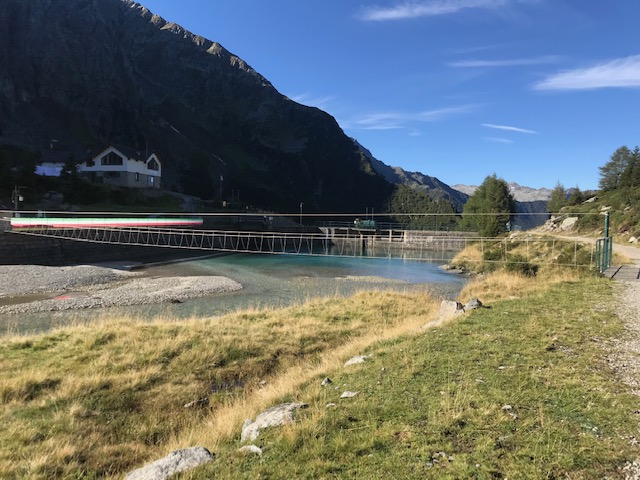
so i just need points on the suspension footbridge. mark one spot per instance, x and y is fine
(251, 233)
(332, 238)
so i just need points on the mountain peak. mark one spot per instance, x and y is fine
(520, 193)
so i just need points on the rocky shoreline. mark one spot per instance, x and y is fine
(90, 286)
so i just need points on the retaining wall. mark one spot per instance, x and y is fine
(16, 249)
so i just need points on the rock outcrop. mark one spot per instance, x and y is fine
(176, 462)
(273, 417)
(559, 224)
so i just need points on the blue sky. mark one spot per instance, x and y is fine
(536, 91)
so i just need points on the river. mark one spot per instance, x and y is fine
(267, 280)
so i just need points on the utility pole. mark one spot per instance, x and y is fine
(16, 198)
(300, 213)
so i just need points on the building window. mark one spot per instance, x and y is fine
(152, 181)
(153, 165)
(137, 177)
(111, 158)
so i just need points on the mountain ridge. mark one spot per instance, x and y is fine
(520, 193)
(90, 73)
(435, 188)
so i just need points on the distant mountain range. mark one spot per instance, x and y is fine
(436, 189)
(520, 193)
(531, 203)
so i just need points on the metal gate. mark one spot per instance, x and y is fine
(604, 253)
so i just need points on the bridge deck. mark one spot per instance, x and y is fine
(628, 273)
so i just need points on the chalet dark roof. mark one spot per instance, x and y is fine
(133, 153)
(129, 152)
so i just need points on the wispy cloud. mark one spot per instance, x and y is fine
(508, 128)
(427, 8)
(617, 73)
(397, 120)
(309, 100)
(498, 140)
(513, 62)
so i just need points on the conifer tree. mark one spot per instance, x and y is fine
(611, 172)
(630, 177)
(576, 197)
(558, 198)
(490, 208)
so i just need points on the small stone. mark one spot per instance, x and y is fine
(262, 383)
(326, 381)
(201, 402)
(507, 408)
(250, 449)
(331, 405)
(357, 359)
(348, 394)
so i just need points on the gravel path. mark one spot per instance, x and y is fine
(624, 358)
(79, 287)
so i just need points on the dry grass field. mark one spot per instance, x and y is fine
(517, 390)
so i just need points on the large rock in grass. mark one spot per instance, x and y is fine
(277, 416)
(472, 304)
(568, 223)
(176, 462)
(450, 309)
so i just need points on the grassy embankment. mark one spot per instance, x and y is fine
(520, 390)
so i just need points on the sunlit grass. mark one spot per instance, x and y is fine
(517, 390)
(113, 394)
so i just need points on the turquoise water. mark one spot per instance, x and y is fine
(268, 281)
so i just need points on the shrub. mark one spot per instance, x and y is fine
(519, 264)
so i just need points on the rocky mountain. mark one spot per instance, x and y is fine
(78, 75)
(531, 203)
(435, 188)
(520, 193)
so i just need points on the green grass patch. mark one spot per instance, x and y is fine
(520, 390)
(100, 400)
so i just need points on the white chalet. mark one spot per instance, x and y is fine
(124, 167)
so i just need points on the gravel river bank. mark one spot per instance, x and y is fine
(35, 288)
